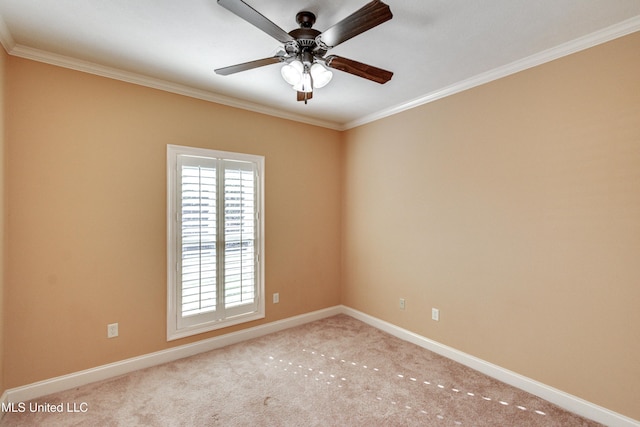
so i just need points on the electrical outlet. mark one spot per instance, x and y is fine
(112, 330)
(402, 304)
(276, 298)
(435, 314)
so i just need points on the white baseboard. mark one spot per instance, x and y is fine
(555, 396)
(564, 400)
(76, 379)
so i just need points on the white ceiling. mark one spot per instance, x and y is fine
(434, 47)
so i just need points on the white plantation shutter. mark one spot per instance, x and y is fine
(239, 234)
(215, 240)
(198, 238)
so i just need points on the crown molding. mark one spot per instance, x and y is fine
(599, 37)
(6, 39)
(142, 80)
(602, 36)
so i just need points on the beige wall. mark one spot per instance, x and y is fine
(87, 206)
(514, 208)
(3, 59)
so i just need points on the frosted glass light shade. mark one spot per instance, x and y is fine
(305, 83)
(321, 76)
(292, 73)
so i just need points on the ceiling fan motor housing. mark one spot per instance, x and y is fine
(305, 38)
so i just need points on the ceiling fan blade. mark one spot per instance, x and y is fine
(248, 65)
(359, 69)
(370, 15)
(305, 96)
(254, 17)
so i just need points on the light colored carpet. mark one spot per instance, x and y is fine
(333, 372)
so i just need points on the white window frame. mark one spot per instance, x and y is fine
(179, 326)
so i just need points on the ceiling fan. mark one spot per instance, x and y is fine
(305, 49)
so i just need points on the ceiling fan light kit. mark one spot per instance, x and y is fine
(300, 75)
(292, 73)
(321, 76)
(305, 84)
(304, 51)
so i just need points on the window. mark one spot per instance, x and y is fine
(214, 240)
